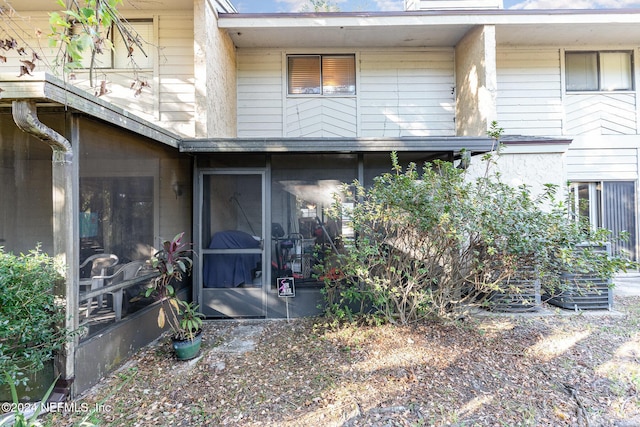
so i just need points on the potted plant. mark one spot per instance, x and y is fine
(188, 338)
(173, 263)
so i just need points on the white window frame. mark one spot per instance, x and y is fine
(321, 89)
(594, 200)
(604, 70)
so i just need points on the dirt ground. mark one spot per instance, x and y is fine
(557, 368)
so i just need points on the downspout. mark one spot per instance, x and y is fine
(25, 115)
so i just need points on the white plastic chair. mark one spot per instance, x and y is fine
(125, 272)
(100, 265)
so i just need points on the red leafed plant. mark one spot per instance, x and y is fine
(173, 263)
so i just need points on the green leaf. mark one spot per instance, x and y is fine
(73, 14)
(87, 12)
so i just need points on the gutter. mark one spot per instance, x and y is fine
(25, 115)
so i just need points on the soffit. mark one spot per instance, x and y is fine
(431, 28)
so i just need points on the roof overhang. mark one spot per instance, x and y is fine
(520, 144)
(48, 91)
(452, 145)
(438, 28)
(449, 145)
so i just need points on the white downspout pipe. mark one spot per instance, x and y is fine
(25, 115)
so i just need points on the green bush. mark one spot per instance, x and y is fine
(435, 244)
(29, 314)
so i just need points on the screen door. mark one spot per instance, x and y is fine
(231, 252)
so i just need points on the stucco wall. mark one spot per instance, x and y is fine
(476, 85)
(534, 166)
(215, 75)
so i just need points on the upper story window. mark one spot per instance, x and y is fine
(119, 57)
(321, 74)
(599, 71)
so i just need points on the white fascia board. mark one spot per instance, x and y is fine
(267, 21)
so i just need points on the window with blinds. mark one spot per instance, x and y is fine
(321, 75)
(599, 71)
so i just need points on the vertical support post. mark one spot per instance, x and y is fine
(287, 304)
(64, 250)
(26, 118)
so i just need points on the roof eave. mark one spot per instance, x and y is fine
(445, 144)
(48, 90)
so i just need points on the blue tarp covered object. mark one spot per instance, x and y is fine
(230, 270)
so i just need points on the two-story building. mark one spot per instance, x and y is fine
(247, 124)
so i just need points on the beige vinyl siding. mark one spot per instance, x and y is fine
(321, 117)
(602, 113)
(529, 100)
(620, 162)
(260, 93)
(176, 90)
(406, 93)
(24, 30)
(169, 101)
(399, 93)
(119, 90)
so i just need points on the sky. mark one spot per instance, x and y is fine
(270, 6)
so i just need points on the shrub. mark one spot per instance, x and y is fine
(434, 244)
(29, 314)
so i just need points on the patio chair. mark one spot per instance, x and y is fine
(125, 272)
(100, 265)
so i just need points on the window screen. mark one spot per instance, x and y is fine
(616, 70)
(102, 59)
(144, 36)
(119, 56)
(582, 71)
(598, 71)
(321, 74)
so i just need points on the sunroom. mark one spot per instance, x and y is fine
(94, 187)
(100, 188)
